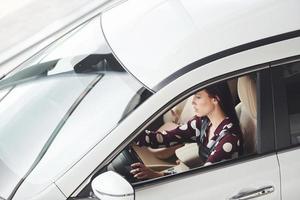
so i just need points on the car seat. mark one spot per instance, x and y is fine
(184, 110)
(247, 112)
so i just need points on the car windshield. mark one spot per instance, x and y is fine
(61, 97)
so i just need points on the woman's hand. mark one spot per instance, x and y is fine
(140, 171)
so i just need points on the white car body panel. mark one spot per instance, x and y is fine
(50, 193)
(219, 183)
(290, 177)
(166, 35)
(235, 62)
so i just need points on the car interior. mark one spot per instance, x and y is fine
(243, 90)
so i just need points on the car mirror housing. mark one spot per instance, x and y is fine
(112, 186)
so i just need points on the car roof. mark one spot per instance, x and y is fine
(160, 40)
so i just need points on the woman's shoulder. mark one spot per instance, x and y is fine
(232, 135)
(229, 124)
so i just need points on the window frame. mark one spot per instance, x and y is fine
(264, 146)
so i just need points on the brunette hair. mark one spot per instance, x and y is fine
(221, 92)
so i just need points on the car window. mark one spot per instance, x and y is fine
(290, 75)
(292, 84)
(160, 149)
(181, 140)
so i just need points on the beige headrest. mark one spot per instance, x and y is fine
(247, 94)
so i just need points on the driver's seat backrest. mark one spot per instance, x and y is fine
(184, 110)
(247, 112)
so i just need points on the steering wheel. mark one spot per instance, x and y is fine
(134, 156)
(122, 163)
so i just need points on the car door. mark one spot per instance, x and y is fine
(255, 175)
(286, 83)
(234, 181)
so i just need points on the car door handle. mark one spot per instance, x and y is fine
(253, 193)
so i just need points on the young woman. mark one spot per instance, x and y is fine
(215, 128)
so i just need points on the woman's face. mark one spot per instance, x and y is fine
(203, 103)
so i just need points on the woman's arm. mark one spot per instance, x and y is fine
(185, 133)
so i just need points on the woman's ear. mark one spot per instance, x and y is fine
(216, 99)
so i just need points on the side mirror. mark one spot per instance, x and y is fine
(112, 186)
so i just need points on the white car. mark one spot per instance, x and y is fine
(70, 114)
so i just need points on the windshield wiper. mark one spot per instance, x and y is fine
(35, 70)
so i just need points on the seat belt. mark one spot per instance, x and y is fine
(204, 151)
